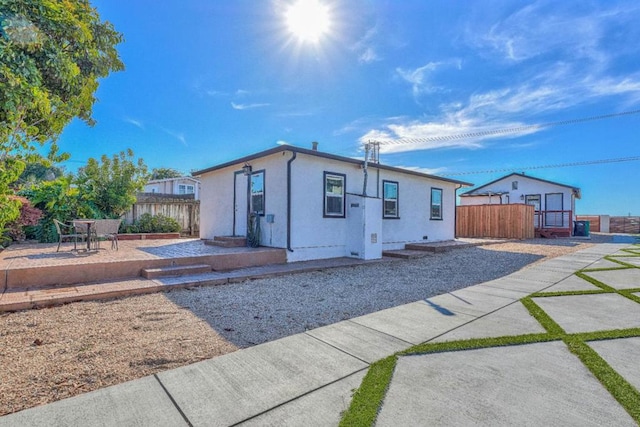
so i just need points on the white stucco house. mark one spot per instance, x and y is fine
(319, 205)
(555, 203)
(180, 185)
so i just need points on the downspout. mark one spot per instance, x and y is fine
(366, 171)
(455, 210)
(289, 200)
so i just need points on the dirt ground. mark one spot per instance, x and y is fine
(55, 353)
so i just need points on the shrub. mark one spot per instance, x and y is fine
(29, 216)
(148, 223)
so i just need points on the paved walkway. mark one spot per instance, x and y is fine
(309, 378)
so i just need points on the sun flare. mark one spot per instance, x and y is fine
(308, 20)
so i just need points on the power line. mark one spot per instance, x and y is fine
(517, 129)
(559, 165)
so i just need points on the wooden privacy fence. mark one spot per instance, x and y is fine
(503, 221)
(183, 208)
(594, 221)
(624, 224)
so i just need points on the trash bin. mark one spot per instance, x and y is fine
(581, 228)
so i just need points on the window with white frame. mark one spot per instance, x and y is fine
(257, 192)
(436, 203)
(186, 189)
(334, 194)
(390, 199)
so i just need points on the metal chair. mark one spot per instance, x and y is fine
(67, 232)
(106, 229)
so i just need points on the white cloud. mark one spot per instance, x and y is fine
(248, 106)
(421, 78)
(177, 135)
(366, 49)
(281, 142)
(136, 123)
(368, 55)
(428, 171)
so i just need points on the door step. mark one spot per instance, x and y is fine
(405, 254)
(180, 270)
(227, 241)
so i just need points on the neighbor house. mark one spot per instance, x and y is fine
(555, 207)
(319, 205)
(180, 185)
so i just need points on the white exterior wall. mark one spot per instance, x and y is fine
(526, 187)
(485, 200)
(217, 203)
(312, 235)
(414, 208)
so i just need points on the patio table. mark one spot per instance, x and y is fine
(89, 223)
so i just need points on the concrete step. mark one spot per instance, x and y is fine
(406, 254)
(437, 247)
(228, 241)
(180, 270)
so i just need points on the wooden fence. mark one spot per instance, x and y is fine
(624, 224)
(501, 221)
(594, 221)
(183, 208)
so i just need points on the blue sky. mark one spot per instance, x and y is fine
(207, 81)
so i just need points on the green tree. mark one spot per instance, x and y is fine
(164, 173)
(38, 170)
(111, 184)
(52, 54)
(58, 199)
(10, 170)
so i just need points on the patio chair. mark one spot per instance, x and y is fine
(106, 229)
(68, 232)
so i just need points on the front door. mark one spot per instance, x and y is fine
(534, 199)
(553, 203)
(240, 198)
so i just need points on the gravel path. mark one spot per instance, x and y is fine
(58, 352)
(258, 311)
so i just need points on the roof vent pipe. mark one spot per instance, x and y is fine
(314, 146)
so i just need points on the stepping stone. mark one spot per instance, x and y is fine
(620, 279)
(534, 385)
(587, 313)
(511, 320)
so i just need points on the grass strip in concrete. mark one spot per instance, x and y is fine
(543, 318)
(596, 282)
(367, 400)
(568, 293)
(617, 261)
(620, 389)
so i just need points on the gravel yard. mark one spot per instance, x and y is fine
(58, 352)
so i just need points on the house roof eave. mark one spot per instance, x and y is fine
(320, 154)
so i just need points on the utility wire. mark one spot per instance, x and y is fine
(516, 129)
(559, 165)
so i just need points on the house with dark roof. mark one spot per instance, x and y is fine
(555, 208)
(319, 205)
